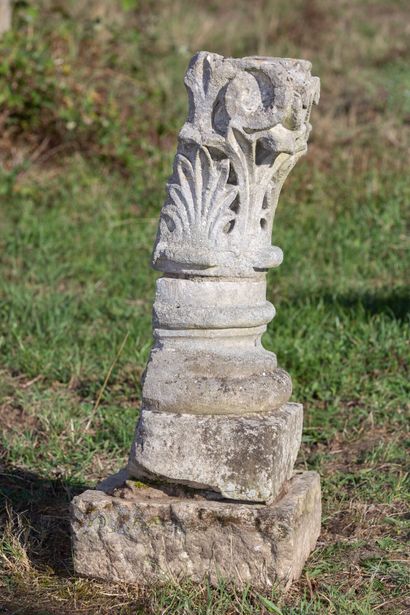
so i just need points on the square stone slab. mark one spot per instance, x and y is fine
(240, 457)
(145, 535)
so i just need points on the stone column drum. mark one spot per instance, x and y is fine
(217, 432)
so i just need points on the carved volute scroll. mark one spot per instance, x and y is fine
(247, 126)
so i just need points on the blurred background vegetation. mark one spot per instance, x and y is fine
(104, 78)
(91, 101)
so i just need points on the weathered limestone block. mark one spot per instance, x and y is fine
(242, 457)
(146, 535)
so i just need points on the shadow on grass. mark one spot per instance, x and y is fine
(395, 303)
(38, 510)
(10, 608)
(391, 302)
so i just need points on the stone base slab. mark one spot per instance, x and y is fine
(142, 534)
(240, 457)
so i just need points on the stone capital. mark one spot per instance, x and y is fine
(248, 124)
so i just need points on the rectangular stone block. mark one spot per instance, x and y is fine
(240, 457)
(143, 534)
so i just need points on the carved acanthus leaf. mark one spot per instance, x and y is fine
(197, 209)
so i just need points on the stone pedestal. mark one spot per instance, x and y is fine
(217, 434)
(240, 457)
(143, 534)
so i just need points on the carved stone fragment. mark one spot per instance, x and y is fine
(217, 437)
(248, 124)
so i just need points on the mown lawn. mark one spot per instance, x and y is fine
(88, 131)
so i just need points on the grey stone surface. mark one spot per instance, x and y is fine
(240, 457)
(207, 357)
(146, 535)
(218, 380)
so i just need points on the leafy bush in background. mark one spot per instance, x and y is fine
(55, 95)
(105, 78)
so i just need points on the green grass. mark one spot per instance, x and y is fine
(78, 216)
